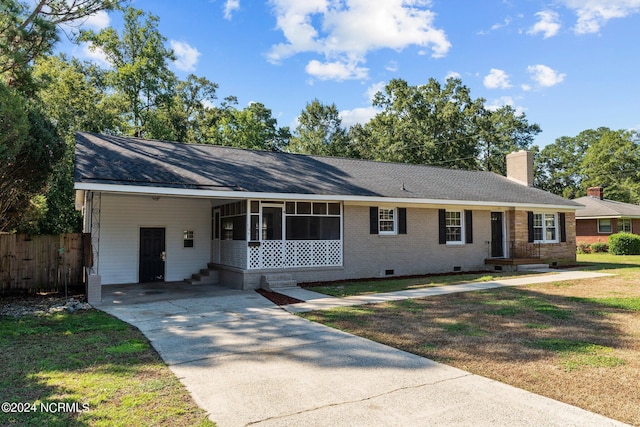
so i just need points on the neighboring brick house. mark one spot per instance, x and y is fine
(161, 211)
(603, 217)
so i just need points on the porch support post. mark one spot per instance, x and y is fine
(94, 289)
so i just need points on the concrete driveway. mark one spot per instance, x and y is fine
(248, 362)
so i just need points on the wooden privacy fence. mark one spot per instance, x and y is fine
(40, 263)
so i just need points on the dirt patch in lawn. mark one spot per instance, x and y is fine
(577, 342)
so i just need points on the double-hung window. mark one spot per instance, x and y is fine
(624, 225)
(545, 228)
(387, 221)
(453, 223)
(604, 225)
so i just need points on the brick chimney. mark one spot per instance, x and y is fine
(596, 192)
(520, 167)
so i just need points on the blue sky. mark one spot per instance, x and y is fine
(569, 65)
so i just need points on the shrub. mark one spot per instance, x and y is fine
(599, 247)
(624, 244)
(584, 248)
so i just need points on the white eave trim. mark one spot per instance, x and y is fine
(609, 217)
(181, 192)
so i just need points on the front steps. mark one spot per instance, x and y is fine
(206, 276)
(273, 282)
(530, 267)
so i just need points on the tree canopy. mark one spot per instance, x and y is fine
(45, 99)
(442, 125)
(600, 157)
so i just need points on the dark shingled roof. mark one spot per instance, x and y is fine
(606, 208)
(102, 159)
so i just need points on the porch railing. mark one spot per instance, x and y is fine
(295, 253)
(524, 250)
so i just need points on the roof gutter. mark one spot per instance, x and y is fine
(181, 192)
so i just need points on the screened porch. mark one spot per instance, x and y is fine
(260, 234)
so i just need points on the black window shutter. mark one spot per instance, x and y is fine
(530, 222)
(563, 226)
(468, 225)
(402, 220)
(442, 227)
(373, 220)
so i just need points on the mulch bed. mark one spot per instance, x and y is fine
(39, 304)
(277, 298)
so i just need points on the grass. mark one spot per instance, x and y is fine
(575, 341)
(88, 358)
(363, 287)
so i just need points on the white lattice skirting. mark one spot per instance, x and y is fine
(296, 253)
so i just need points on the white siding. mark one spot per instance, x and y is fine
(121, 218)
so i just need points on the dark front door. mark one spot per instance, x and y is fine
(152, 254)
(497, 236)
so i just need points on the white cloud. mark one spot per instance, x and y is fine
(346, 31)
(545, 76)
(230, 6)
(593, 14)
(497, 79)
(96, 22)
(495, 27)
(392, 66)
(548, 24)
(92, 53)
(186, 55)
(504, 101)
(357, 115)
(452, 75)
(374, 89)
(335, 70)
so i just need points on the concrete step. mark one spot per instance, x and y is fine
(528, 267)
(272, 282)
(204, 277)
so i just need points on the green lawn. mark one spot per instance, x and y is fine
(92, 361)
(575, 341)
(606, 261)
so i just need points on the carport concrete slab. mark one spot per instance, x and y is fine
(253, 335)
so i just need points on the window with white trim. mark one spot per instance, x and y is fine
(604, 225)
(387, 221)
(453, 224)
(545, 228)
(187, 240)
(624, 225)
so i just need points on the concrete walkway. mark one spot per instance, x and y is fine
(316, 301)
(248, 362)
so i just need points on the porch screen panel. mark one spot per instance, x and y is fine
(313, 228)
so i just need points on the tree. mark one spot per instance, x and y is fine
(441, 125)
(562, 167)
(253, 127)
(73, 95)
(28, 30)
(25, 173)
(320, 132)
(503, 131)
(613, 162)
(140, 65)
(183, 117)
(426, 124)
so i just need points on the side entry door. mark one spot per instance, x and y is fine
(152, 255)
